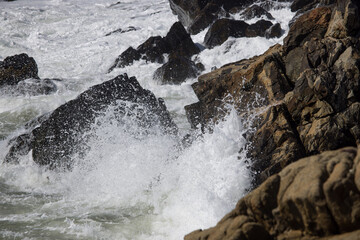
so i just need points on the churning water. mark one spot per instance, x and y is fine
(130, 185)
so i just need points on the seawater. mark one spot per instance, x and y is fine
(129, 185)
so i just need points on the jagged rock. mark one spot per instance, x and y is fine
(17, 68)
(313, 24)
(256, 11)
(197, 15)
(244, 82)
(154, 48)
(62, 133)
(314, 197)
(176, 70)
(222, 29)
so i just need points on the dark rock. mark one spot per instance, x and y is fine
(314, 197)
(256, 11)
(62, 134)
(176, 70)
(222, 29)
(258, 29)
(197, 15)
(129, 29)
(17, 68)
(154, 48)
(274, 31)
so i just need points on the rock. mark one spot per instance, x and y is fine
(198, 15)
(63, 132)
(243, 82)
(313, 24)
(176, 70)
(17, 68)
(274, 31)
(154, 48)
(222, 29)
(311, 198)
(120, 30)
(258, 29)
(256, 11)
(345, 20)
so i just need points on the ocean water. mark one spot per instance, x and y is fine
(129, 185)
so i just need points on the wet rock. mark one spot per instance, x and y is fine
(222, 29)
(274, 31)
(242, 82)
(198, 15)
(256, 11)
(176, 70)
(120, 30)
(258, 29)
(62, 134)
(311, 198)
(154, 48)
(17, 68)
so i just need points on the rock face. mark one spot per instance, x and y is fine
(61, 134)
(153, 49)
(310, 86)
(314, 197)
(222, 29)
(17, 68)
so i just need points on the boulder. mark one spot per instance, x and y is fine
(63, 132)
(176, 70)
(222, 29)
(314, 197)
(198, 15)
(256, 11)
(275, 31)
(17, 68)
(154, 48)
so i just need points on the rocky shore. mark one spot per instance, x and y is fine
(305, 95)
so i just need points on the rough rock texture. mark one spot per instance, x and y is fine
(197, 15)
(256, 11)
(17, 68)
(310, 85)
(153, 49)
(318, 196)
(62, 133)
(176, 70)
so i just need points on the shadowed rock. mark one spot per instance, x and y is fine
(62, 134)
(17, 68)
(154, 48)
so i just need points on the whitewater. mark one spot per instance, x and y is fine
(127, 187)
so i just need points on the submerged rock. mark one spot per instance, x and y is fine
(17, 68)
(66, 130)
(153, 49)
(318, 196)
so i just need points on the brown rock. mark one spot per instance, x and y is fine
(313, 24)
(311, 198)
